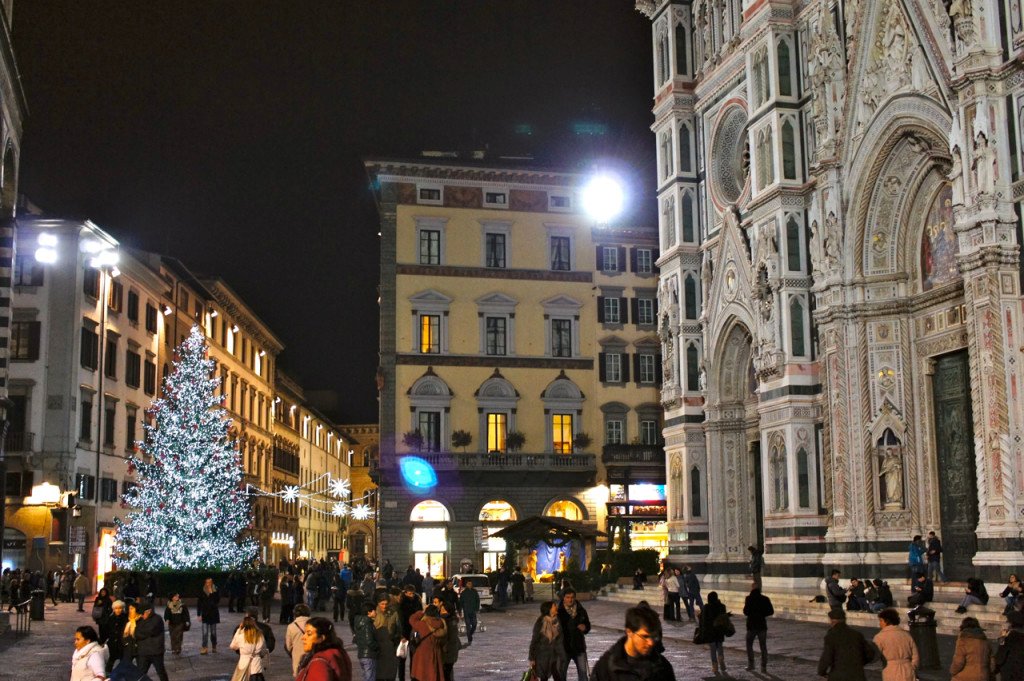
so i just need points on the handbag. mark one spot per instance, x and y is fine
(241, 674)
(402, 650)
(698, 637)
(97, 612)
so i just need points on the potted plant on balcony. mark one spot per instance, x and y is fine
(461, 438)
(515, 440)
(580, 442)
(413, 440)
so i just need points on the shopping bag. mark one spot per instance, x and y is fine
(402, 650)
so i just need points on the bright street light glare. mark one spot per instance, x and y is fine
(47, 239)
(47, 256)
(603, 198)
(105, 258)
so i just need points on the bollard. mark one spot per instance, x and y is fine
(923, 631)
(35, 606)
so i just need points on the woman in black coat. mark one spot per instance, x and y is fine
(208, 610)
(713, 635)
(112, 633)
(547, 649)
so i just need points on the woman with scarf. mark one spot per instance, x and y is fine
(428, 662)
(547, 651)
(101, 607)
(178, 621)
(129, 647)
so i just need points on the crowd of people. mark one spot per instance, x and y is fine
(63, 583)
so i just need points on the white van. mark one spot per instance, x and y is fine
(480, 582)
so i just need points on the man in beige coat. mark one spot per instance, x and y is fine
(293, 636)
(897, 648)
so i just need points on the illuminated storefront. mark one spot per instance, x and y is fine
(641, 510)
(493, 516)
(430, 537)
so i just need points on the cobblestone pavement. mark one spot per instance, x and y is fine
(499, 653)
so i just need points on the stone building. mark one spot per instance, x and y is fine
(839, 188)
(493, 390)
(364, 439)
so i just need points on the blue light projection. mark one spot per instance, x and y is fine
(417, 473)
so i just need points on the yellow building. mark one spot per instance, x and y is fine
(490, 329)
(364, 440)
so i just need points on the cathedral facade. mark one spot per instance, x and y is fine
(840, 187)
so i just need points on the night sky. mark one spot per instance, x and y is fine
(231, 134)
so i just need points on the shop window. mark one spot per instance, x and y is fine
(564, 508)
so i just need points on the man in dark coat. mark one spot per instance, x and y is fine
(846, 651)
(690, 591)
(834, 591)
(575, 623)
(757, 608)
(149, 639)
(469, 606)
(934, 554)
(922, 591)
(1009, 660)
(635, 656)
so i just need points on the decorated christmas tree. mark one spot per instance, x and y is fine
(190, 505)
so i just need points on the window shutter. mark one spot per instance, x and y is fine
(657, 370)
(600, 309)
(600, 366)
(624, 362)
(632, 260)
(622, 258)
(624, 310)
(34, 329)
(600, 258)
(634, 309)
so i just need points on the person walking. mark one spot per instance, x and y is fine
(916, 557)
(408, 604)
(339, 594)
(451, 645)
(252, 650)
(208, 611)
(428, 662)
(365, 639)
(691, 592)
(325, 658)
(101, 607)
(846, 650)
(112, 633)
(469, 602)
(712, 630)
(178, 621)
(670, 583)
(547, 654)
(81, 589)
(89, 661)
(635, 656)
(934, 553)
(287, 589)
(149, 637)
(129, 645)
(972, 658)
(757, 608)
(897, 648)
(1009, 662)
(293, 636)
(388, 631)
(756, 564)
(575, 626)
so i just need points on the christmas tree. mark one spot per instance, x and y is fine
(191, 505)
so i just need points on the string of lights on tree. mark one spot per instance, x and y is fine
(323, 492)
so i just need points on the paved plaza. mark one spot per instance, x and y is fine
(499, 653)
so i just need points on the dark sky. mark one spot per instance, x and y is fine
(230, 134)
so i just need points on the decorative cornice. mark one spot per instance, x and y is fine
(492, 273)
(585, 363)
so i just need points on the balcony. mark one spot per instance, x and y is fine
(478, 468)
(18, 442)
(627, 463)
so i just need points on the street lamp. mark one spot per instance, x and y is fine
(603, 197)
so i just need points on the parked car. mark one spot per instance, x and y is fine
(480, 582)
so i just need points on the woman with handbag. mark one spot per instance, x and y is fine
(178, 621)
(547, 649)
(711, 631)
(101, 606)
(251, 647)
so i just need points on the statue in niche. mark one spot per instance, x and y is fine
(891, 472)
(815, 248)
(703, 377)
(984, 159)
(827, 80)
(668, 350)
(707, 272)
(961, 13)
(833, 243)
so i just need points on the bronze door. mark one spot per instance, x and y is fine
(954, 444)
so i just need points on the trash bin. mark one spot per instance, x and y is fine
(923, 631)
(35, 606)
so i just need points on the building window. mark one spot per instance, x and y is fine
(430, 247)
(687, 208)
(496, 335)
(793, 245)
(561, 338)
(91, 283)
(612, 367)
(115, 296)
(645, 311)
(85, 418)
(86, 485)
(647, 370)
(494, 250)
(803, 478)
(785, 77)
(788, 150)
(559, 202)
(430, 195)
(108, 489)
(680, 49)
(430, 333)
(690, 297)
(129, 430)
(560, 253)
(796, 326)
(25, 341)
(695, 493)
(497, 429)
(685, 165)
(561, 433)
(429, 425)
(109, 414)
(110, 358)
(150, 318)
(610, 259)
(613, 432)
(692, 368)
(611, 310)
(644, 261)
(496, 199)
(149, 378)
(132, 368)
(90, 349)
(133, 307)
(27, 272)
(648, 432)
(666, 149)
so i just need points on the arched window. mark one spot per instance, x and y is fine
(793, 260)
(430, 536)
(692, 368)
(680, 49)
(696, 510)
(666, 57)
(497, 511)
(564, 508)
(563, 408)
(496, 400)
(430, 511)
(796, 326)
(688, 217)
(668, 220)
(666, 154)
(429, 400)
(785, 74)
(684, 149)
(803, 478)
(690, 297)
(660, 65)
(788, 150)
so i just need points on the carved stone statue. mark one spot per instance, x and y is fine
(956, 176)
(667, 351)
(703, 377)
(961, 13)
(707, 272)
(984, 160)
(892, 475)
(833, 243)
(767, 247)
(815, 249)
(827, 79)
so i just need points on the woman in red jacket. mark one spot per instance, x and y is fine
(428, 662)
(325, 660)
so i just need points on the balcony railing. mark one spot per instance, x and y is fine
(633, 454)
(448, 461)
(18, 442)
